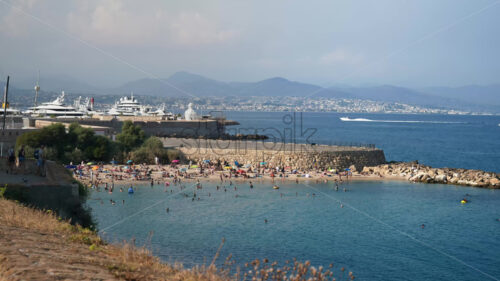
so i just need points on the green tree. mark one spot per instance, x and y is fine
(78, 144)
(131, 136)
(53, 136)
(152, 147)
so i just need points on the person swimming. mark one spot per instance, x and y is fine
(130, 190)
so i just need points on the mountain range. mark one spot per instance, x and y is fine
(472, 97)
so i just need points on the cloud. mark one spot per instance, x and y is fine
(194, 29)
(114, 23)
(341, 56)
(15, 23)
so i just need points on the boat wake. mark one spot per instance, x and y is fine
(347, 119)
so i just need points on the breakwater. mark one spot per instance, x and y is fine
(420, 173)
(303, 157)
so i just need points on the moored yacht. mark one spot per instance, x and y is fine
(56, 108)
(130, 106)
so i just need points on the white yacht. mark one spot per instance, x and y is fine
(129, 106)
(55, 108)
(161, 111)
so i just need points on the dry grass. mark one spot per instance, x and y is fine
(14, 214)
(126, 261)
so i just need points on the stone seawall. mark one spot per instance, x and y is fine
(56, 191)
(295, 156)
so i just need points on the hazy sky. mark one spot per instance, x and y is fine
(410, 43)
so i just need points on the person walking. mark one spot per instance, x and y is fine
(40, 161)
(20, 158)
(11, 160)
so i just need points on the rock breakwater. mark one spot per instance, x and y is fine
(420, 173)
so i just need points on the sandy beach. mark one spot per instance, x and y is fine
(110, 175)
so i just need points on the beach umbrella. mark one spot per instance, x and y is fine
(194, 166)
(95, 168)
(247, 166)
(90, 163)
(130, 162)
(206, 161)
(228, 167)
(263, 163)
(347, 169)
(241, 171)
(175, 161)
(70, 166)
(182, 169)
(113, 162)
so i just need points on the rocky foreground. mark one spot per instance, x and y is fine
(420, 173)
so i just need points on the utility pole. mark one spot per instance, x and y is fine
(5, 102)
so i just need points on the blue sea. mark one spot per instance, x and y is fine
(458, 141)
(374, 229)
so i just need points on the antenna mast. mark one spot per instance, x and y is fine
(37, 88)
(5, 102)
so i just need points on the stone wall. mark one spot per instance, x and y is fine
(296, 156)
(56, 191)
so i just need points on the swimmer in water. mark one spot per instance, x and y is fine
(422, 226)
(265, 220)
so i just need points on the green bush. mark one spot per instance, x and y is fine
(150, 148)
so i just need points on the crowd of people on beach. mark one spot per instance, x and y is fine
(98, 174)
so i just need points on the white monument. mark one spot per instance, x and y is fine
(190, 114)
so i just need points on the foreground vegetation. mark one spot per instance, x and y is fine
(76, 144)
(35, 244)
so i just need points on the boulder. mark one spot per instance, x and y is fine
(441, 178)
(353, 168)
(494, 182)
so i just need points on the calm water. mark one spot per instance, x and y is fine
(377, 233)
(471, 142)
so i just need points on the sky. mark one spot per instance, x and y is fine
(416, 43)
